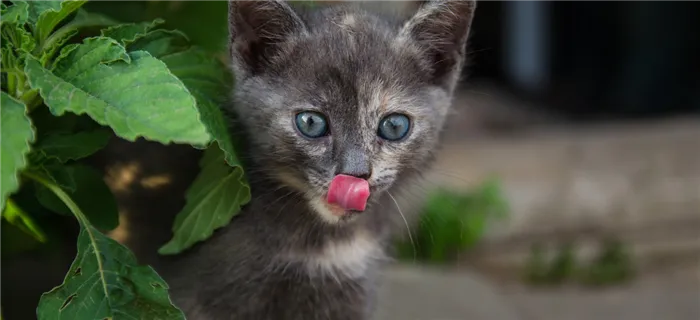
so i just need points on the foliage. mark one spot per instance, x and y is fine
(612, 265)
(209, 32)
(201, 215)
(74, 77)
(559, 269)
(452, 222)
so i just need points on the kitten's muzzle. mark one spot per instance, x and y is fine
(354, 162)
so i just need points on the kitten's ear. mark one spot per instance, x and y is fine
(256, 28)
(440, 28)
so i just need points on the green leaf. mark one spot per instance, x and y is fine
(36, 8)
(12, 31)
(90, 193)
(211, 33)
(58, 174)
(130, 32)
(66, 147)
(50, 15)
(215, 197)
(16, 136)
(135, 94)
(16, 13)
(105, 282)
(82, 19)
(23, 221)
(160, 43)
(49, 201)
(207, 78)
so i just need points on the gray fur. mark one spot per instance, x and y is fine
(285, 256)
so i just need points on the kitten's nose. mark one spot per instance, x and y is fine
(354, 163)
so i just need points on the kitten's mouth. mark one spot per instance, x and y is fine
(347, 194)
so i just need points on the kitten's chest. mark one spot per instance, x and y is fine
(294, 296)
(353, 258)
(337, 282)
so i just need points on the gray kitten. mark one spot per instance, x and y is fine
(322, 92)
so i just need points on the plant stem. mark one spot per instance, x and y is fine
(11, 82)
(84, 222)
(61, 195)
(31, 99)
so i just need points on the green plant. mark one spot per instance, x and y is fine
(73, 78)
(612, 265)
(452, 222)
(561, 268)
(204, 22)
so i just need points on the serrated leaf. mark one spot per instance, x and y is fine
(21, 39)
(36, 8)
(16, 136)
(50, 15)
(74, 146)
(216, 196)
(130, 32)
(82, 19)
(210, 82)
(105, 282)
(207, 78)
(22, 220)
(18, 13)
(135, 94)
(160, 43)
(90, 193)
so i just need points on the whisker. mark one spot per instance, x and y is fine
(410, 234)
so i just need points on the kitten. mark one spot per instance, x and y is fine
(320, 93)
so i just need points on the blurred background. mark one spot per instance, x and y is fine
(568, 186)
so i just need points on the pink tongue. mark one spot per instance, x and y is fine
(349, 192)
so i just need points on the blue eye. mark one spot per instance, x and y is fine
(312, 124)
(394, 127)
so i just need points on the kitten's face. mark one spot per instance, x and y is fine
(351, 96)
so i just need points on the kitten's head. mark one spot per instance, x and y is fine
(341, 91)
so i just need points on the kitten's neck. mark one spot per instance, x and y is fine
(347, 249)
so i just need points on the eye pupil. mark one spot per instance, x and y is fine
(394, 127)
(311, 124)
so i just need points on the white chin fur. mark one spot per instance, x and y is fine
(318, 205)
